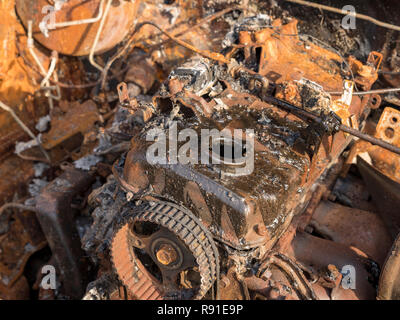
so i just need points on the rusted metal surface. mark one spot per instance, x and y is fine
(141, 72)
(388, 129)
(291, 272)
(70, 134)
(56, 218)
(78, 118)
(78, 40)
(16, 173)
(353, 228)
(238, 116)
(17, 81)
(17, 244)
(352, 192)
(194, 252)
(385, 161)
(140, 282)
(285, 231)
(235, 220)
(244, 220)
(385, 194)
(230, 287)
(389, 285)
(284, 56)
(19, 291)
(317, 254)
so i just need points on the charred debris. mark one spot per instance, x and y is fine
(312, 214)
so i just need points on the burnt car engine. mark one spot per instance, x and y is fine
(249, 162)
(179, 224)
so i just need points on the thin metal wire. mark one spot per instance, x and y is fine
(78, 22)
(45, 74)
(377, 91)
(16, 205)
(306, 114)
(25, 128)
(96, 39)
(344, 12)
(131, 45)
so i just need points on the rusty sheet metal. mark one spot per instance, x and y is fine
(15, 174)
(317, 254)
(389, 282)
(388, 129)
(285, 56)
(352, 192)
(354, 228)
(17, 81)
(79, 118)
(78, 40)
(385, 193)
(56, 218)
(23, 239)
(285, 59)
(18, 291)
(72, 129)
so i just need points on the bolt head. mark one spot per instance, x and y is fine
(166, 255)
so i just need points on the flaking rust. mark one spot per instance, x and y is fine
(295, 208)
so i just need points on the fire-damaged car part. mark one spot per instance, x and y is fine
(229, 168)
(251, 215)
(162, 236)
(56, 217)
(70, 27)
(389, 279)
(386, 194)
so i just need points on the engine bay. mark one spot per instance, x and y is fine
(188, 150)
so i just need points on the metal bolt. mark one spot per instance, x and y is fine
(166, 254)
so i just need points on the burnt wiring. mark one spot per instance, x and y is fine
(222, 59)
(130, 45)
